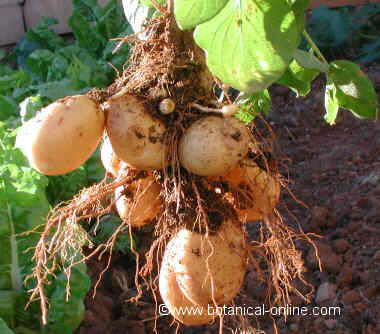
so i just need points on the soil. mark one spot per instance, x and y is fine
(335, 171)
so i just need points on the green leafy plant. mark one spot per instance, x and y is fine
(48, 67)
(23, 208)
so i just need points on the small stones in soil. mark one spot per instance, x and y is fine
(345, 277)
(326, 292)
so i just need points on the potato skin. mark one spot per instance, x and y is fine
(111, 162)
(141, 202)
(255, 192)
(213, 146)
(136, 137)
(176, 301)
(63, 135)
(209, 269)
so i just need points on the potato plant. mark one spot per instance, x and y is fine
(181, 149)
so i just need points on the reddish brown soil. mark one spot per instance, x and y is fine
(336, 172)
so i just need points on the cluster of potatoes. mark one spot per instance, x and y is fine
(197, 269)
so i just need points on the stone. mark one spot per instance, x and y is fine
(376, 257)
(326, 292)
(345, 277)
(371, 291)
(322, 217)
(351, 297)
(331, 323)
(329, 259)
(341, 245)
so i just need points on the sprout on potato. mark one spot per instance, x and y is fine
(62, 136)
(167, 106)
(136, 136)
(139, 202)
(213, 146)
(209, 269)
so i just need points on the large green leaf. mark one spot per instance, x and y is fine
(250, 43)
(189, 14)
(348, 85)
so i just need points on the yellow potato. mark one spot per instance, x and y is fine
(181, 308)
(136, 136)
(254, 191)
(213, 146)
(139, 202)
(110, 160)
(62, 136)
(209, 270)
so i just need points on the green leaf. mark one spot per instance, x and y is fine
(4, 329)
(252, 105)
(111, 22)
(299, 7)
(83, 30)
(298, 78)
(331, 103)
(8, 107)
(120, 56)
(14, 80)
(352, 89)
(66, 315)
(59, 89)
(250, 43)
(7, 296)
(58, 68)
(189, 14)
(39, 63)
(43, 36)
(106, 228)
(309, 61)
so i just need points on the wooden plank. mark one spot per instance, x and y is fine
(61, 10)
(11, 24)
(340, 3)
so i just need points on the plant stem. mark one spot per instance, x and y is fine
(314, 47)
